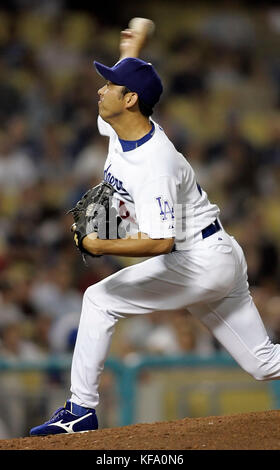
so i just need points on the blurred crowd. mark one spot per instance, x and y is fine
(220, 107)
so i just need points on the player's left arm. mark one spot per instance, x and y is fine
(156, 217)
(139, 245)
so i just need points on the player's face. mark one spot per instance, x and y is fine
(111, 101)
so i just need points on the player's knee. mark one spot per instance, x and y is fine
(264, 362)
(256, 372)
(94, 295)
(264, 370)
(261, 375)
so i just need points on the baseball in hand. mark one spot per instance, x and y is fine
(142, 25)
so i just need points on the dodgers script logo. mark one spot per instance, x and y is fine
(118, 184)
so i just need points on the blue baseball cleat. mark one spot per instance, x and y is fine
(68, 419)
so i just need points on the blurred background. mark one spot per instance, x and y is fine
(220, 66)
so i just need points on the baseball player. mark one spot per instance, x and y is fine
(192, 262)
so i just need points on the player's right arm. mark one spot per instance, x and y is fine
(133, 40)
(130, 44)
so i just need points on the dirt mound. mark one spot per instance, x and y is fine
(250, 431)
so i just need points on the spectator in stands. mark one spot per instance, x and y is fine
(17, 170)
(53, 291)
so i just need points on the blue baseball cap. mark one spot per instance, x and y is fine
(137, 75)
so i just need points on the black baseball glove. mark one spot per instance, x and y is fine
(94, 212)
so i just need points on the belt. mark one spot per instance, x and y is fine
(212, 228)
(207, 231)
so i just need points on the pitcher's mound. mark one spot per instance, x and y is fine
(249, 431)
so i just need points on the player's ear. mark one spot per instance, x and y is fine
(131, 99)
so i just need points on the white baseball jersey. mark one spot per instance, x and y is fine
(156, 188)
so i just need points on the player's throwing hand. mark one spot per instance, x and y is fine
(134, 38)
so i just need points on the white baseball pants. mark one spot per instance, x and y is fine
(210, 280)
